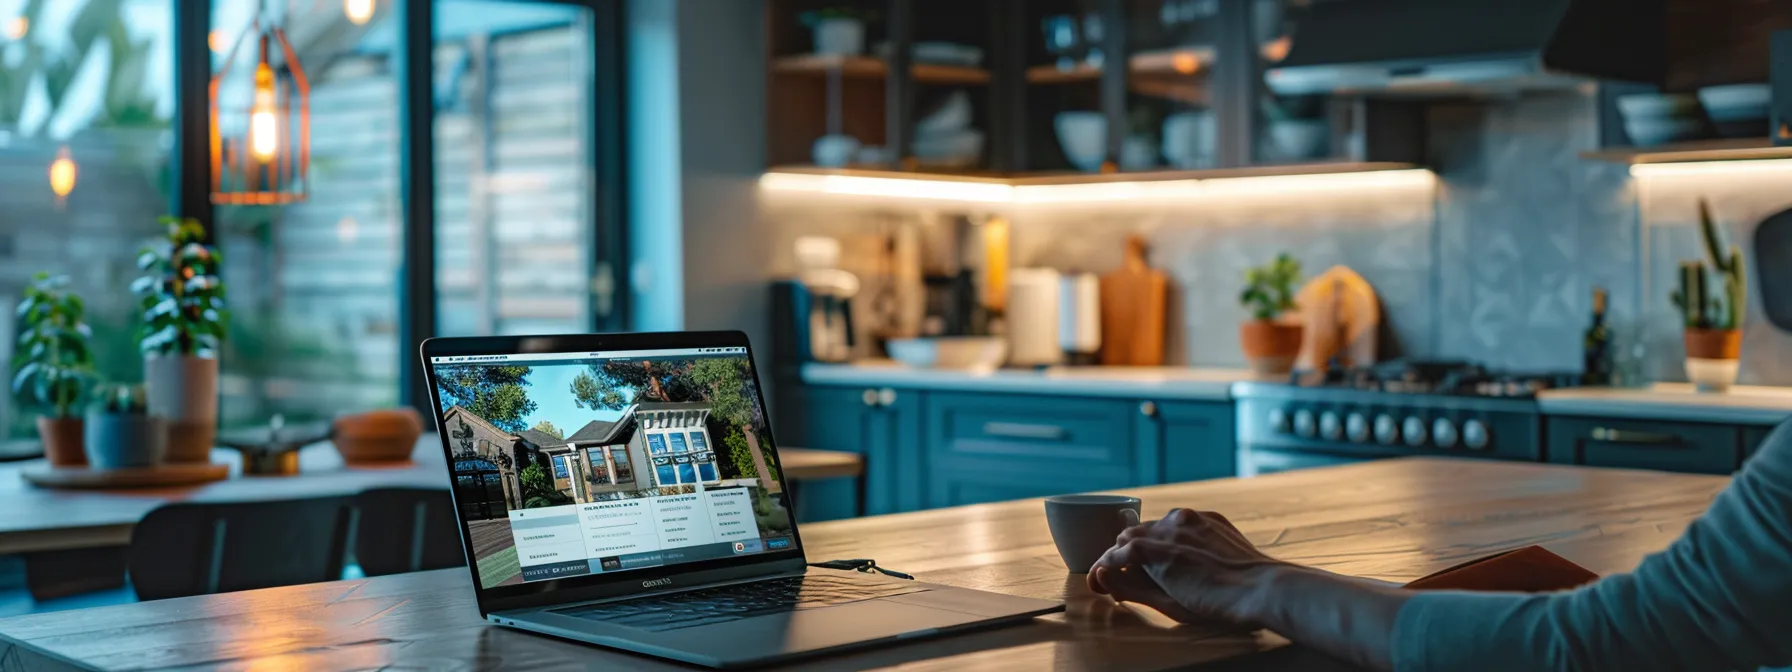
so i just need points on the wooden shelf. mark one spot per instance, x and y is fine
(1178, 74)
(872, 67)
(1727, 149)
(1069, 178)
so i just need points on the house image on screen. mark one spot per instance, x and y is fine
(487, 462)
(654, 445)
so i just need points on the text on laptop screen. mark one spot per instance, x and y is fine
(584, 463)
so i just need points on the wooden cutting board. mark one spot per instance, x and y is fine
(1133, 301)
(1342, 317)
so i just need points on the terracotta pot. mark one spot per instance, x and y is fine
(377, 436)
(184, 390)
(64, 442)
(1713, 357)
(1270, 346)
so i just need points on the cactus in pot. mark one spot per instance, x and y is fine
(1712, 317)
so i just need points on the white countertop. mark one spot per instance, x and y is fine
(1743, 404)
(1166, 382)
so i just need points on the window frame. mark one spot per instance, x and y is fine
(190, 166)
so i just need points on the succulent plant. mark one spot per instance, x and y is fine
(1269, 289)
(1699, 308)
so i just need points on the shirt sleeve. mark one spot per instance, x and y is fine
(1719, 598)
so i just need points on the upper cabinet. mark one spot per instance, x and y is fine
(1024, 89)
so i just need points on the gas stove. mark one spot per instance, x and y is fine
(1393, 409)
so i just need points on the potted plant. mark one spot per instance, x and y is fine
(121, 434)
(53, 366)
(1270, 338)
(839, 31)
(1713, 335)
(183, 317)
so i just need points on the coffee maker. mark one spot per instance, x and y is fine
(812, 313)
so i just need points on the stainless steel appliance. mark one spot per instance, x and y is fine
(1393, 409)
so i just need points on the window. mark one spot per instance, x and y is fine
(687, 473)
(560, 466)
(663, 472)
(656, 444)
(677, 439)
(313, 324)
(515, 211)
(698, 442)
(600, 472)
(708, 469)
(112, 125)
(619, 458)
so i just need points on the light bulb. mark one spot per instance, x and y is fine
(359, 12)
(264, 126)
(62, 174)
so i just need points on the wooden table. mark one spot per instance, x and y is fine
(1393, 520)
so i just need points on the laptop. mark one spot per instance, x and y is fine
(625, 490)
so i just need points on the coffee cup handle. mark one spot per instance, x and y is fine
(1129, 517)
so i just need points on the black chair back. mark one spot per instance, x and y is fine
(197, 548)
(406, 530)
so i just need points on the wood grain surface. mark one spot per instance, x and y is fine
(1393, 520)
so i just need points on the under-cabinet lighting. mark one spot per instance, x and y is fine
(989, 191)
(1711, 168)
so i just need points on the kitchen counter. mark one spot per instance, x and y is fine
(1742, 404)
(1168, 382)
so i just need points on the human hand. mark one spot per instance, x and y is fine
(1193, 566)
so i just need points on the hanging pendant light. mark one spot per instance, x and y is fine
(261, 121)
(63, 172)
(359, 12)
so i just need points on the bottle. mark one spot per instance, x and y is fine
(1596, 348)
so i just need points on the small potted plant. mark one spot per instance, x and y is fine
(121, 434)
(839, 31)
(1713, 335)
(54, 366)
(183, 317)
(1271, 338)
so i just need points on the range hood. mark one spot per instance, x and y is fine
(1453, 48)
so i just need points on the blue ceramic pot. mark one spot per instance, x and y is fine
(125, 441)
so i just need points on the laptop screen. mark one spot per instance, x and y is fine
(579, 463)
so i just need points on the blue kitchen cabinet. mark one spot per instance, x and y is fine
(1752, 438)
(1688, 447)
(1193, 440)
(986, 448)
(882, 424)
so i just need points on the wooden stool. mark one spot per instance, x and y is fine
(802, 464)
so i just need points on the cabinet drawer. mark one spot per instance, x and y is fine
(1667, 446)
(1064, 433)
(1752, 438)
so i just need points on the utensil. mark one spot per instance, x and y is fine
(1084, 526)
(972, 353)
(1084, 137)
(1133, 301)
(1033, 317)
(1773, 262)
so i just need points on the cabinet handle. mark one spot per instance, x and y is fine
(1016, 430)
(1610, 435)
(869, 397)
(886, 397)
(1148, 409)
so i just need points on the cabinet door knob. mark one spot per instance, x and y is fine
(1148, 409)
(886, 397)
(869, 397)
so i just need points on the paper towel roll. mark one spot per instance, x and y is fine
(1079, 314)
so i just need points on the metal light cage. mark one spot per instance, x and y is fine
(239, 177)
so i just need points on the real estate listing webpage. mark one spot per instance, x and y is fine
(567, 464)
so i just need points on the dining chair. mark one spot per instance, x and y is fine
(406, 530)
(197, 548)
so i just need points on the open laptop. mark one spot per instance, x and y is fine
(624, 490)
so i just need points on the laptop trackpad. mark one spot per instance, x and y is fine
(810, 629)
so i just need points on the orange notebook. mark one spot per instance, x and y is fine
(1531, 569)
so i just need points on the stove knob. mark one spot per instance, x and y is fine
(1443, 433)
(1387, 432)
(1476, 435)
(1356, 427)
(1414, 430)
(1304, 424)
(1330, 426)
(1278, 421)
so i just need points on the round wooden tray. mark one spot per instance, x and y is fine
(87, 478)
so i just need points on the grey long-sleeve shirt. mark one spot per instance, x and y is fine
(1719, 598)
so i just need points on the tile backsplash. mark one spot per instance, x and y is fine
(1494, 261)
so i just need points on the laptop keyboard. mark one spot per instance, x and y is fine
(709, 606)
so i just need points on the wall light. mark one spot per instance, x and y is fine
(1032, 192)
(359, 12)
(63, 173)
(1711, 168)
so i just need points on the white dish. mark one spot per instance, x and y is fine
(952, 115)
(1084, 138)
(1645, 106)
(972, 353)
(1649, 132)
(1736, 102)
(955, 149)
